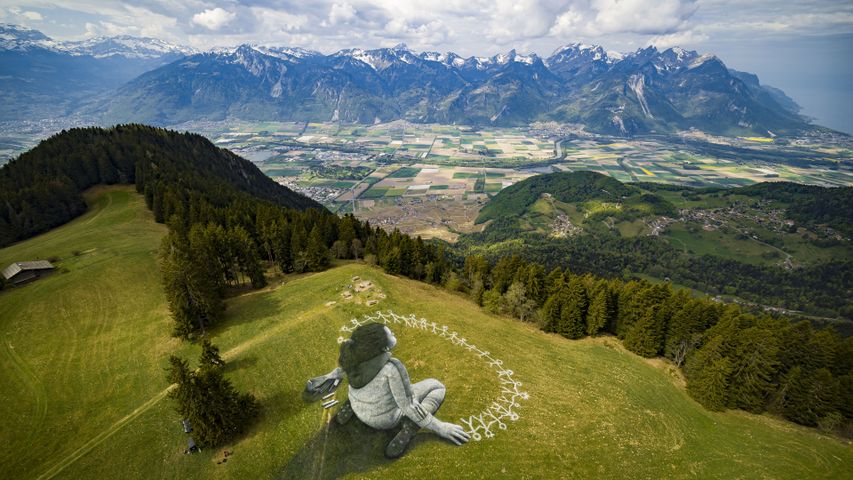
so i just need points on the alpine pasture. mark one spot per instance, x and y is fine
(83, 392)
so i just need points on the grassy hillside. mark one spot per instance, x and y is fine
(81, 349)
(84, 396)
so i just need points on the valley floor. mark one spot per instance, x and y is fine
(83, 389)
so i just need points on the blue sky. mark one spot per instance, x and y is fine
(804, 47)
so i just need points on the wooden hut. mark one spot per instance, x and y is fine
(22, 272)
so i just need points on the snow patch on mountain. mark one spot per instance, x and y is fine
(636, 83)
(17, 38)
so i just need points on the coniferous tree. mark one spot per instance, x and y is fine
(210, 357)
(710, 387)
(596, 318)
(191, 291)
(554, 281)
(210, 402)
(552, 311)
(708, 375)
(573, 313)
(753, 367)
(246, 256)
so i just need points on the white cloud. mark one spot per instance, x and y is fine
(32, 15)
(214, 18)
(688, 38)
(642, 16)
(469, 27)
(427, 35)
(274, 22)
(341, 13)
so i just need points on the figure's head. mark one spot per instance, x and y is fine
(366, 342)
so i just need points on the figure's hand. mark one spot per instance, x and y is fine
(322, 385)
(452, 432)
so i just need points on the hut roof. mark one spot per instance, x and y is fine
(18, 267)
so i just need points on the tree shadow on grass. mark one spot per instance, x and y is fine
(264, 306)
(240, 363)
(338, 450)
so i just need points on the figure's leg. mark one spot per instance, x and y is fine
(430, 394)
(345, 413)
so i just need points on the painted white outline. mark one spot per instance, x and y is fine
(503, 408)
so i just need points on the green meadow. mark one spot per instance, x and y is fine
(83, 393)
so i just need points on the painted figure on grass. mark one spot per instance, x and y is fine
(380, 392)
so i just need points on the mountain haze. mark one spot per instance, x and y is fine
(46, 78)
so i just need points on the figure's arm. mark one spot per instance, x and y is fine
(323, 384)
(411, 408)
(415, 412)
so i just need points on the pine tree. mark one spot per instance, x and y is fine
(707, 372)
(596, 318)
(191, 291)
(554, 281)
(210, 357)
(710, 387)
(317, 252)
(210, 402)
(552, 312)
(645, 336)
(754, 365)
(246, 255)
(573, 313)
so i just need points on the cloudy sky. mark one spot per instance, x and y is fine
(804, 47)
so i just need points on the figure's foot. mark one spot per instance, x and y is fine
(344, 414)
(397, 446)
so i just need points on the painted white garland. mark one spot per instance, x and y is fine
(502, 408)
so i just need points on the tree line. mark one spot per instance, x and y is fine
(731, 359)
(41, 189)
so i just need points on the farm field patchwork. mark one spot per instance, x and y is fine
(377, 165)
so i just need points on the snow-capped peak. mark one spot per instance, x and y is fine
(382, 58)
(18, 32)
(14, 37)
(583, 52)
(125, 46)
(701, 59)
(292, 54)
(449, 58)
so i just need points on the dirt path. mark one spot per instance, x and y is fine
(91, 444)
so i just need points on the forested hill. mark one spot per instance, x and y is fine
(42, 188)
(563, 186)
(774, 244)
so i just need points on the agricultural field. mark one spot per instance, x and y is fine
(646, 161)
(86, 388)
(430, 180)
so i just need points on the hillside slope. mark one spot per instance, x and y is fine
(96, 390)
(722, 241)
(41, 188)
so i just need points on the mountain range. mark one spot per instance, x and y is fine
(42, 78)
(646, 91)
